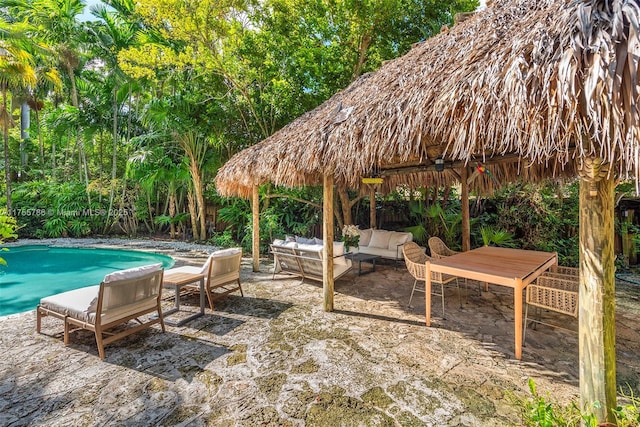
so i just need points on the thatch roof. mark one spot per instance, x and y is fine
(538, 84)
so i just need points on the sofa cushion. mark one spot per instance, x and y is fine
(305, 241)
(132, 273)
(398, 238)
(317, 241)
(380, 239)
(365, 237)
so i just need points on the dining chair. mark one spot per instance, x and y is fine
(415, 259)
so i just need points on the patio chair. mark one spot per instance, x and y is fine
(122, 296)
(440, 250)
(222, 274)
(552, 293)
(415, 259)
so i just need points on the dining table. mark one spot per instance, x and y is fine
(512, 268)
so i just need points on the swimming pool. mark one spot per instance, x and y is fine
(36, 271)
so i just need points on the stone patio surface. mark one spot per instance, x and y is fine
(275, 358)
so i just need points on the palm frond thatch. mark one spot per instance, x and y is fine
(545, 83)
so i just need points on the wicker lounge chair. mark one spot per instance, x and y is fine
(122, 296)
(554, 293)
(415, 260)
(222, 274)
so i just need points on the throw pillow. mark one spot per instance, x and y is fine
(398, 238)
(380, 239)
(365, 237)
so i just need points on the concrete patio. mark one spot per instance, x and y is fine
(275, 358)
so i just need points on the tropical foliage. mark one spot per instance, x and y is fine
(135, 110)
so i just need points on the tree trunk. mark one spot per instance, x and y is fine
(597, 294)
(192, 214)
(464, 202)
(7, 169)
(255, 209)
(327, 237)
(345, 202)
(372, 208)
(172, 211)
(114, 156)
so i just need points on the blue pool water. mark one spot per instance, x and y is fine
(34, 272)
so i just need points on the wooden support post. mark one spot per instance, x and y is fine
(372, 207)
(464, 202)
(255, 209)
(597, 294)
(327, 237)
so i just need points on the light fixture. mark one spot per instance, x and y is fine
(439, 164)
(372, 180)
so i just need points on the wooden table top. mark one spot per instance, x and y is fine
(181, 278)
(496, 265)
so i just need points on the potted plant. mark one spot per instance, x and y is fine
(351, 237)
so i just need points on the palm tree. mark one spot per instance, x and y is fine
(16, 71)
(110, 35)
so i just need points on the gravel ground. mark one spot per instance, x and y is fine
(275, 358)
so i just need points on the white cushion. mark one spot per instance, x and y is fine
(398, 238)
(309, 247)
(317, 241)
(218, 254)
(338, 254)
(380, 239)
(225, 252)
(304, 240)
(278, 242)
(365, 236)
(79, 303)
(131, 273)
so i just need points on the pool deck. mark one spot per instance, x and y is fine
(275, 358)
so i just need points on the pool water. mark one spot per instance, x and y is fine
(36, 271)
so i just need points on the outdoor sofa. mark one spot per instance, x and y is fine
(384, 243)
(305, 259)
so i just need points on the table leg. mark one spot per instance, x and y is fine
(427, 293)
(517, 305)
(202, 290)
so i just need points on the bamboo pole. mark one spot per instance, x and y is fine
(255, 210)
(597, 296)
(372, 207)
(464, 202)
(327, 237)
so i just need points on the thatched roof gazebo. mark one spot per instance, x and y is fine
(533, 88)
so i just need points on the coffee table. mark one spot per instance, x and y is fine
(176, 280)
(360, 258)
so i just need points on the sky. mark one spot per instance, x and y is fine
(86, 15)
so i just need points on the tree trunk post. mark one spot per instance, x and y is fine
(327, 237)
(255, 210)
(372, 207)
(464, 203)
(597, 292)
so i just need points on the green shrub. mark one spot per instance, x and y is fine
(539, 411)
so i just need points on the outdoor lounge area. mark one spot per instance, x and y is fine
(371, 361)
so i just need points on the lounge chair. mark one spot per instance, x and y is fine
(122, 296)
(222, 274)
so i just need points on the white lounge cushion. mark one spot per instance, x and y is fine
(380, 239)
(365, 237)
(79, 303)
(131, 273)
(398, 238)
